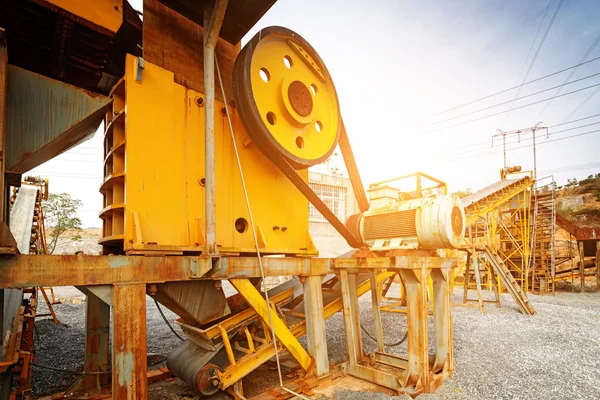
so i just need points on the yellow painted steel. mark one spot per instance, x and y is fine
(309, 136)
(163, 171)
(255, 300)
(105, 13)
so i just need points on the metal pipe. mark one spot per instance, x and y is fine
(213, 19)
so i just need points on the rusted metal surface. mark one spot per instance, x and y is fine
(96, 359)
(82, 270)
(197, 302)
(45, 117)
(56, 43)
(129, 379)
(175, 43)
(213, 19)
(300, 98)
(315, 325)
(588, 233)
(415, 374)
(239, 19)
(3, 82)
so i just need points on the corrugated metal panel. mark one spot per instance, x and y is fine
(390, 225)
(45, 117)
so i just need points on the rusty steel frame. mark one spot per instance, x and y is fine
(120, 282)
(415, 375)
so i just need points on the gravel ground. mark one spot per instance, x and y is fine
(501, 354)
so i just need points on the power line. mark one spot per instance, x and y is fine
(583, 103)
(587, 53)
(536, 54)
(502, 112)
(533, 43)
(575, 120)
(571, 168)
(487, 142)
(518, 140)
(521, 147)
(504, 91)
(509, 101)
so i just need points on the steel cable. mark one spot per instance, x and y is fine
(166, 320)
(395, 344)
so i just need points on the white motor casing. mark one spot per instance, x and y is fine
(424, 223)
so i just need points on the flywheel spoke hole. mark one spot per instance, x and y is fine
(299, 142)
(318, 126)
(264, 74)
(271, 118)
(287, 60)
(313, 89)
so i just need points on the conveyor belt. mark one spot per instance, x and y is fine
(21, 216)
(21, 220)
(487, 191)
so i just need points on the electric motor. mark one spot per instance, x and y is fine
(424, 223)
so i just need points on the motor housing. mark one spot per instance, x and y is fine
(423, 223)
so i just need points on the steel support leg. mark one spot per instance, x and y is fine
(352, 336)
(376, 312)
(598, 265)
(418, 355)
(97, 320)
(315, 324)
(582, 266)
(442, 321)
(129, 342)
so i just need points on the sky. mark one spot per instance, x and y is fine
(395, 63)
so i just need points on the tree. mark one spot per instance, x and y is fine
(60, 212)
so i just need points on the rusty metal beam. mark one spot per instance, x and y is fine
(3, 84)
(582, 265)
(97, 320)
(315, 324)
(83, 270)
(45, 117)
(129, 367)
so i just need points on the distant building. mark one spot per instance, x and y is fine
(336, 192)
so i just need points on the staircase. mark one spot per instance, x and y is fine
(509, 281)
(542, 260)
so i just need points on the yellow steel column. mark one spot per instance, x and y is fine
(315, 324)
(254, 299)
(442, 321)
(417, 372)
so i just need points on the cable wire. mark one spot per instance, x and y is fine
(517, 140)
(520, 147)
(503, 91)
(395, 344)
(587, 53)
(510, 101)
(256, 245)
(487, 142)
(583, 103)
(69, 371)
(534, 59)
(167, 321)
(502, 112)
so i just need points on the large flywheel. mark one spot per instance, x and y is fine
(286, 98)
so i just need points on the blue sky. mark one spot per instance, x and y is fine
(394, 62)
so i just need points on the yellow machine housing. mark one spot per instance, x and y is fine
(154, 176)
